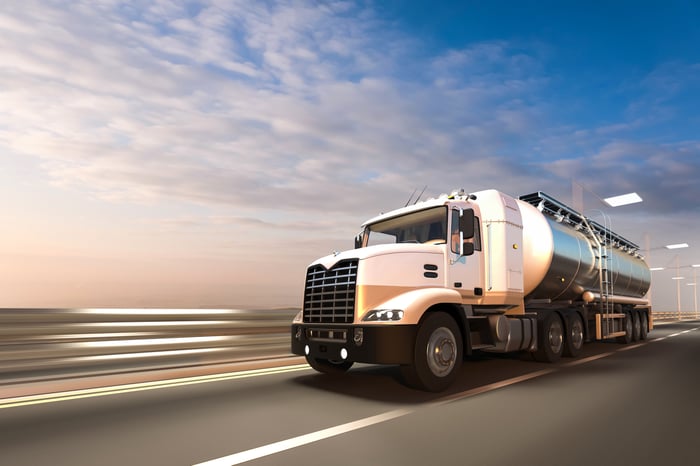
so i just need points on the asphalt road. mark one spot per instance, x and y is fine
(622, 405)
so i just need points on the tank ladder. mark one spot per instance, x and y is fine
(606, 317)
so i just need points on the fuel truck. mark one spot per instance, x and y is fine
(431, 283)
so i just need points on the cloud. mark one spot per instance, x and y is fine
(230, 102)
(226, 103)
(663, 174)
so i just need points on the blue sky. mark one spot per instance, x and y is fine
(153, 153)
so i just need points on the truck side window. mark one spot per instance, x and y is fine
(477, 235)
(454, 232)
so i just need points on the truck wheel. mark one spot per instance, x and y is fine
(329, 367)
(573, 343)
(643, 325)
(629, 330)
(437, 355)
(550, 338)
(636, 326)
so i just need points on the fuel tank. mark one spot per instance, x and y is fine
(560, 258)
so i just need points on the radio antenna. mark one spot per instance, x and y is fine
(421, 193)
(410, 197)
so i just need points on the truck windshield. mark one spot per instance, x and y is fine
(425, 226)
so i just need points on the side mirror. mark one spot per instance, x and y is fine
(466, 224)
(467, 249)
(358, 241)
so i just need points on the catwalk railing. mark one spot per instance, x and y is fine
(49, 344)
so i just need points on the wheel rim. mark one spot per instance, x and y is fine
(555, 337)
(441, 352)
(577, 334)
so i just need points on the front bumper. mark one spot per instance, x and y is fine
(380, 344)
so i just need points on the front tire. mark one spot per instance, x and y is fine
(329, 367)
(437, 354)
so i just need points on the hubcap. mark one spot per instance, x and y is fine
(441, 352)
(555, 337)
(577, 334)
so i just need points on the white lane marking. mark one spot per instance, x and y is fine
(118, 389)
(283, 445)
(577, 362)
(490, 387)
(629, 347)
(266, 450)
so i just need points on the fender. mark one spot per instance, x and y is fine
(415, 302)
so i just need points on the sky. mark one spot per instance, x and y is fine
(203, 153)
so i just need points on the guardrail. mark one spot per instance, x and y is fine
(49, 344)
(675, 316)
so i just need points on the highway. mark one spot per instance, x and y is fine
(632, 405)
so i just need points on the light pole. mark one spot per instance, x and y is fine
(695, 288)
(678, 277)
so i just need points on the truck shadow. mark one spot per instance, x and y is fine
(385, 384)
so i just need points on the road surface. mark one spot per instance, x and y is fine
(616, 404)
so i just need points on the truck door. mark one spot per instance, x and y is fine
(465, 262)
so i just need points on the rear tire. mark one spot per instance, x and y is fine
(643, 325)
(573, 342)
(629, 330)
(550, 338)
(437, 356)
(636, 326)
(329, 367)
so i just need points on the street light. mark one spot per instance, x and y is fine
(623, 199)
(676, 246)
(613, 201)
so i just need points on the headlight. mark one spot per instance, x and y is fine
(299, 317)
(383, 315)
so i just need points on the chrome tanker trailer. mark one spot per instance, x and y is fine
(430, 283)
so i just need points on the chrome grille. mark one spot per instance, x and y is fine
(329, 296)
